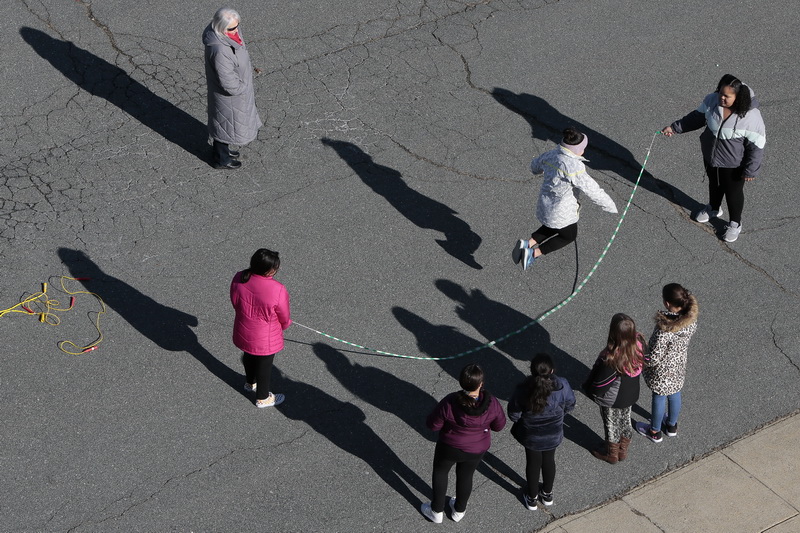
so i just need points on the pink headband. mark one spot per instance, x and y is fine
(577, 149)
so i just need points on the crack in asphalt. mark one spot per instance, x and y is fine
(35, 195)
(778, 346)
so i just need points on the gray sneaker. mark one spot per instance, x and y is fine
(732, 232)
(706, 213)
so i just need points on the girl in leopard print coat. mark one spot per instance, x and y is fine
(665, 370)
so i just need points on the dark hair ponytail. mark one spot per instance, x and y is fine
(262, 262)
(744, 100)
(470, 379)
(677, 296)
(540, 384)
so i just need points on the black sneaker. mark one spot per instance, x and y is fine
(646, 430)
(529, 502)
(546, 498)
(233, 164)
(671, 431)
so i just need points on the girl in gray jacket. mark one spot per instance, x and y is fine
(732, 145)
(557, 209)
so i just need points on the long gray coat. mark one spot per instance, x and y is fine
(232, 114)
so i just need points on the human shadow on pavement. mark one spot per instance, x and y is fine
(494, 319)
(547, 123)
(460, 241)
(503, 475)
(380, 389)
(445, 341)
(406, 401)
(343, 424)
(100, 78)
(169, 328)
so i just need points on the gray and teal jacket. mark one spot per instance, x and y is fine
(727, 143)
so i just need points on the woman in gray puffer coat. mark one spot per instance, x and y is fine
(232, 114)
(732, 145)
(665, 370)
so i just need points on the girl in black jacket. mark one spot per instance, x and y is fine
(537, 410)
(613, 384)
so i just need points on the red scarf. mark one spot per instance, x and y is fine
(235, 37)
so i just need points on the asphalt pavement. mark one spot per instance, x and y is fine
(392, 176)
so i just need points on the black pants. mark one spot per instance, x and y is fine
(544, 462)
(443, 460)
(258, 370)
(561, 237)
(222, 153)
(727, 183)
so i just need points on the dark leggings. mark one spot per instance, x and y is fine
(560, 237)
(536, 462)
(258, 369)
(222, 152)
(727, 183)
(443, 460)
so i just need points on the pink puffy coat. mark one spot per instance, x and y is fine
(262, 313)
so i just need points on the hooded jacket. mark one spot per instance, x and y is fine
(727, 143)
(608, 388)
(262, 313)
(465, 428)
(565, 178)
(545, 430)
(232, 114)
(665, 371)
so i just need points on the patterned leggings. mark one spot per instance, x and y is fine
(616, 422)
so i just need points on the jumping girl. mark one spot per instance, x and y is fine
(557, 209)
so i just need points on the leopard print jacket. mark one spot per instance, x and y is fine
(665, 372)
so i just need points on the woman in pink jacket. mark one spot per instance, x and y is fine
(262, 313)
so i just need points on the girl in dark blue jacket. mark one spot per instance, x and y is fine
(537, 410)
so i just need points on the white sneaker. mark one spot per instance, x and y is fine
(436, 518)
(706, 213)
(270, 401)
(732, 232)
(455, 515)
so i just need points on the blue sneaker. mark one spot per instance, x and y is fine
(519, 250)
(528, 259)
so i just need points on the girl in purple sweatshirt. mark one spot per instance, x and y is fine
(464, 420)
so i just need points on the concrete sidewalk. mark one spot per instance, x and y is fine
(750, 486)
